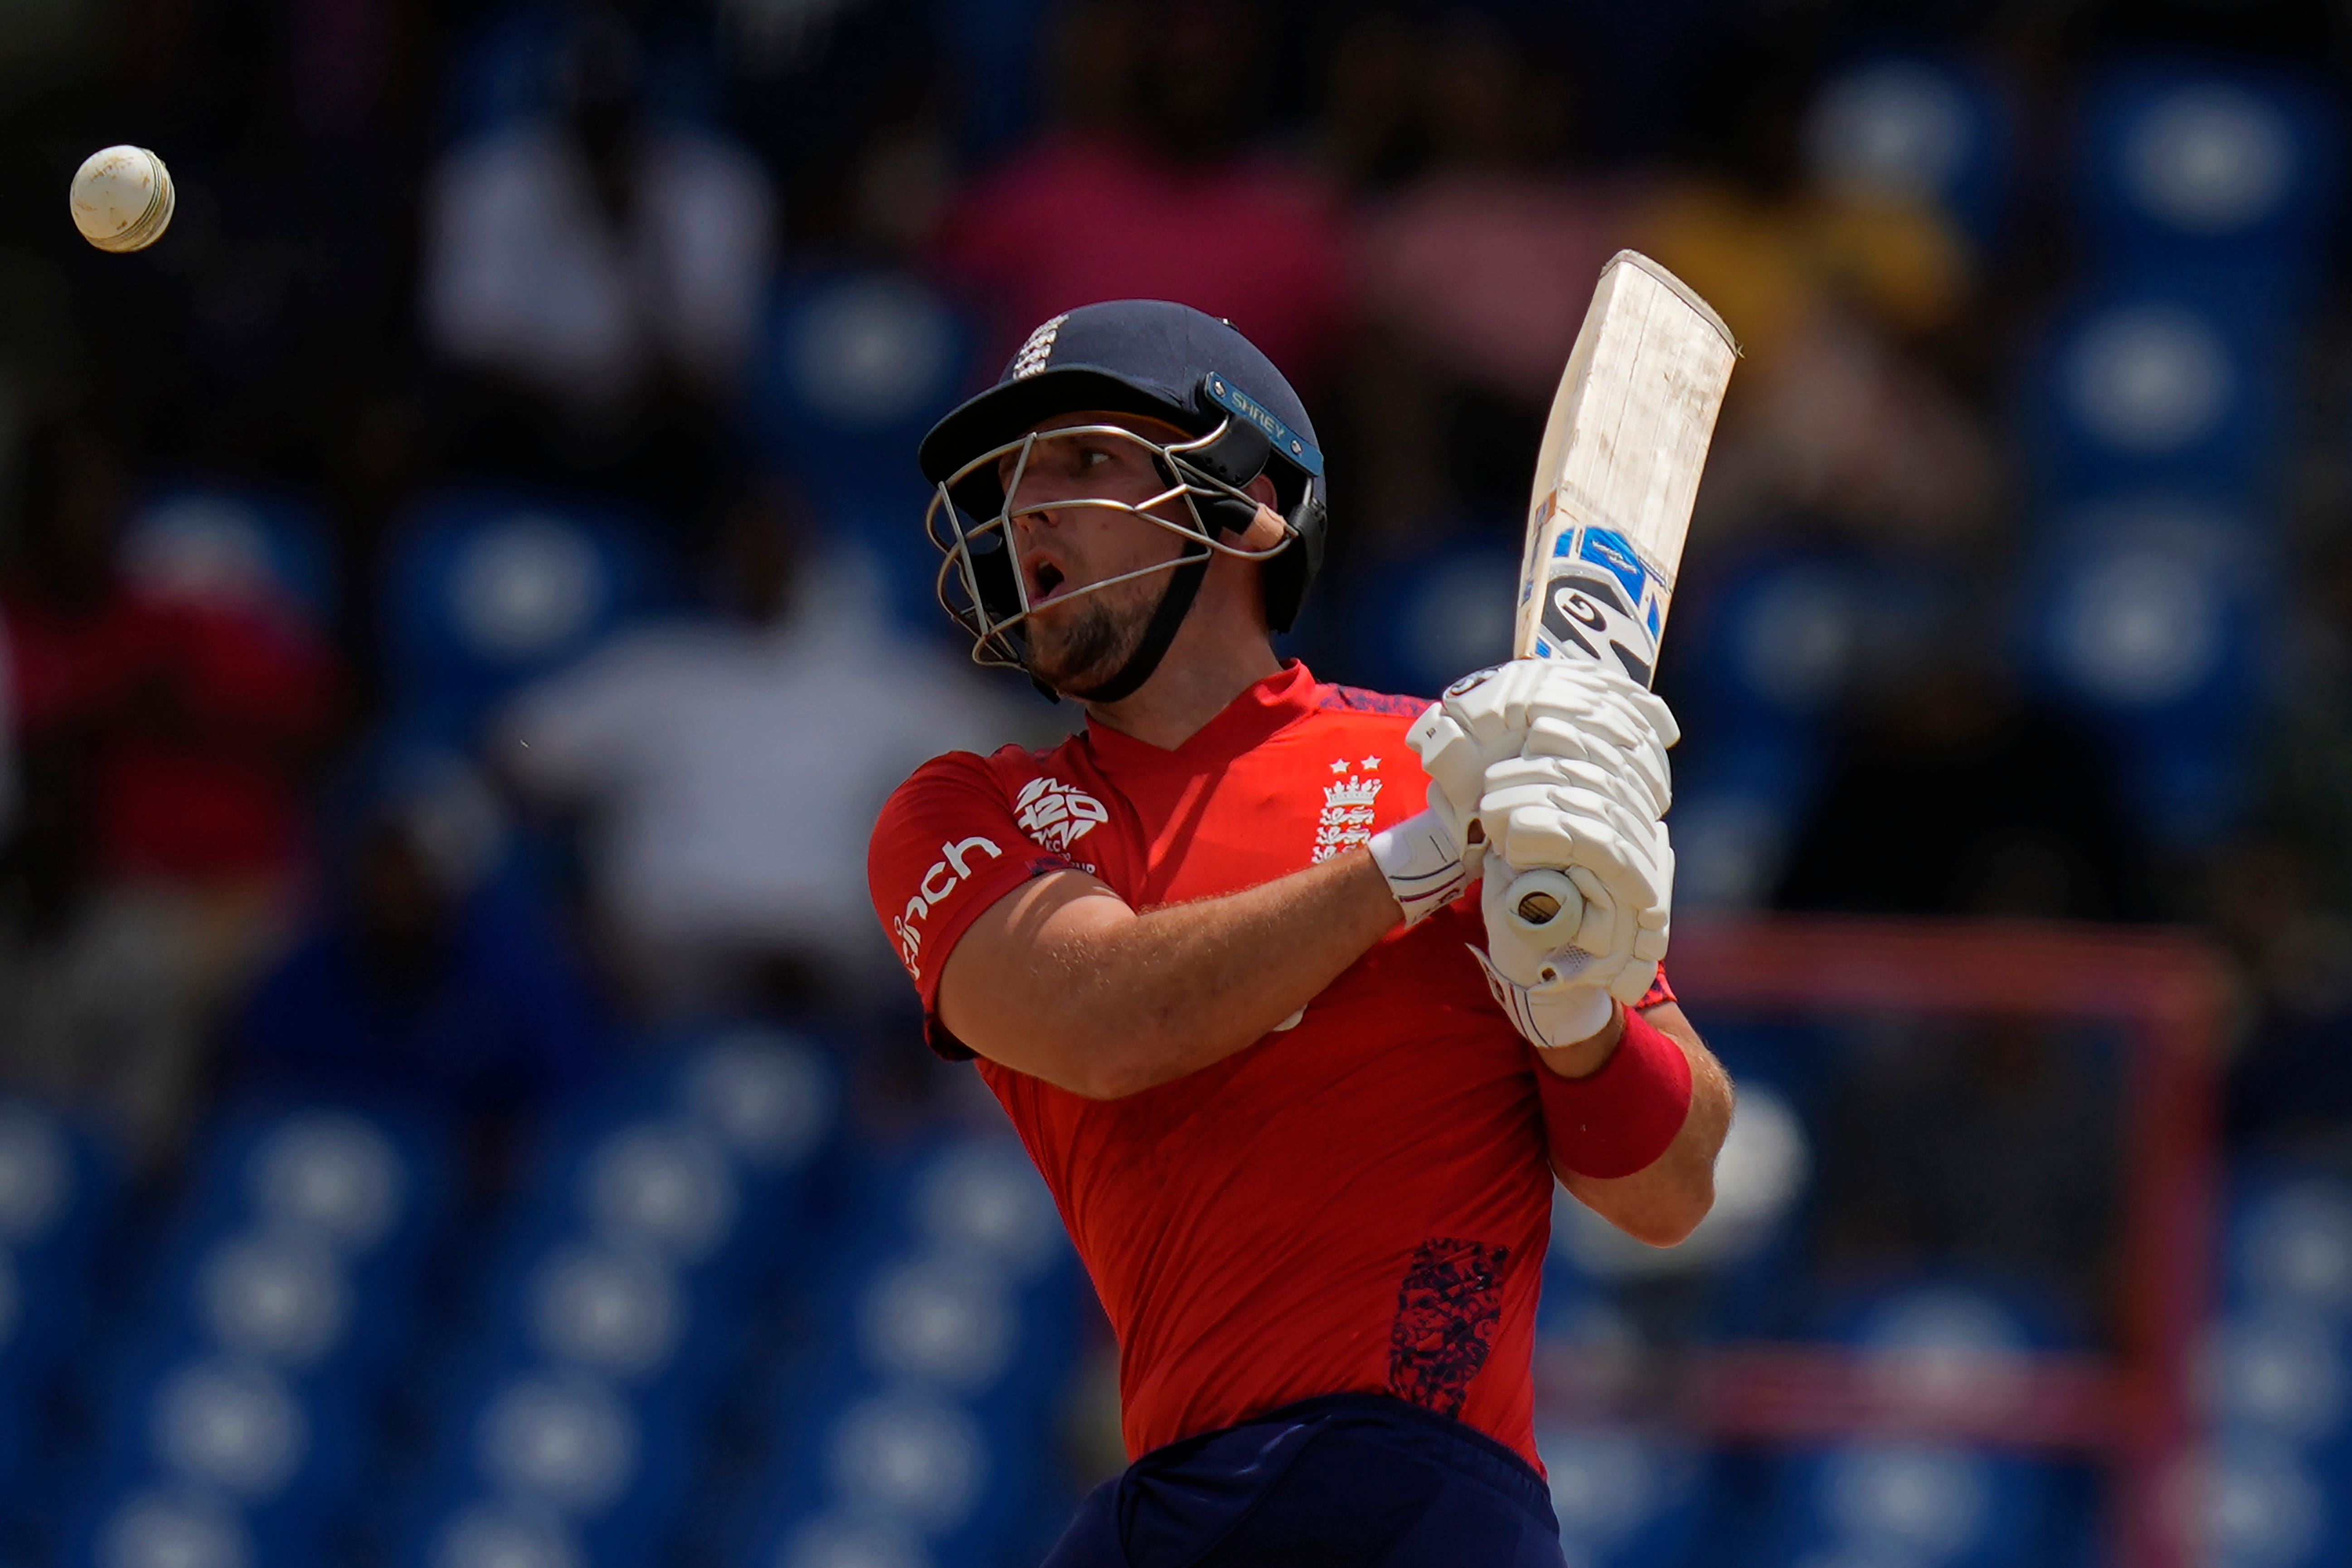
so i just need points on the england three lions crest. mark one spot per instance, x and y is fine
(1348, 805)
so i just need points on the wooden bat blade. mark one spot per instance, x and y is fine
(1619, 468)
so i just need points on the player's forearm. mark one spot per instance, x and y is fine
(1115, 1001)
(1664, 1200)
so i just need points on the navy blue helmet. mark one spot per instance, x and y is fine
(1143, 357)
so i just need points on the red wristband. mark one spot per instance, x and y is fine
(1621, 1118)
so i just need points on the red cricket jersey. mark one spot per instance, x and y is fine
(1358, 1203)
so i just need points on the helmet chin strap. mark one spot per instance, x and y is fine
(1175, 602)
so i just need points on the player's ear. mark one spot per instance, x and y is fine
(1260, 490)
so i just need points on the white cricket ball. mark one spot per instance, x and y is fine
(122, 198)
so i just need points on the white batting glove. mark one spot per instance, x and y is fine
(1598, 935)
(1425, 860)
(1572, 710)
(1562, 1012)
(1543, 813)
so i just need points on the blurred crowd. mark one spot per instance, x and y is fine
(465, 597)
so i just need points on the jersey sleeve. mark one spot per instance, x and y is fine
(1660, 992)
(944, 849)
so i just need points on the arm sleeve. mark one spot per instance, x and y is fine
(944, 849)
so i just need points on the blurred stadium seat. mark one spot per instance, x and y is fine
(2206, 170)
(1936, 1505)
(2157, 386)
(929, 1401)
(231, 548)
(59, 1189)
(486, 591)
(244, 1399)
(855, 367)
(1418, 623)
(2289, 1240)
(2154, 618)
(613, 1314)
(1916, 128)
(2278, 1483)
(1764, 654)
(1625, 1497)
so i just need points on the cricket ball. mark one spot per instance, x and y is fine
(122, 198)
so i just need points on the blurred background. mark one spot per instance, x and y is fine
(456, 1107)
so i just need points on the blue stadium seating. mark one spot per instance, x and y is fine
(1419, 623)
(1916, 128)
(59, 1189)
(1933, 1506)
(613, 1317)
(928, 1401)
(1762, 657)
(508, 63)
(1625, 1497)
(488, 590)
(2154, 618)
(225, 546)
(854, 367)
(2213, 172)
(560, 1446)
(243, 1397)
(2288, 1240)
(2279, 1492)
(2158, 386)
(280, 1451)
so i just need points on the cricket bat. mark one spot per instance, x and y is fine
(1614, 482)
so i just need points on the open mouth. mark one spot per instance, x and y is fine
(1044, 580)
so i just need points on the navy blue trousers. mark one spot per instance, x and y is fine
(1350, 1480)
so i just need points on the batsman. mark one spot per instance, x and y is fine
(1235, 962)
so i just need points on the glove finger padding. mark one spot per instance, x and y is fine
(1630, 793)
(1589, 945)
(1551, 825)
(1643, 765)
(1456, 764)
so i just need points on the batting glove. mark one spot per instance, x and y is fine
(1425, 860)
(1575, 709)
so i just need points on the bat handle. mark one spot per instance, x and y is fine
(1544, 905)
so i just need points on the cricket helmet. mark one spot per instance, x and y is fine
(1143, 357)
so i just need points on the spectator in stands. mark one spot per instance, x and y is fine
(165, 744)
(431, 976)
(1995, 1143)
(1847, 303)
(1148, 189)
(1947, 794)
(600, 276)
(728, 767)
(1474, 276)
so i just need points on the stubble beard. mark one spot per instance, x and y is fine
(1086, 642)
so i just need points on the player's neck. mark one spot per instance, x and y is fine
(1199, 678)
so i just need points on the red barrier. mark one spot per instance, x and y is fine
(2136, 1410)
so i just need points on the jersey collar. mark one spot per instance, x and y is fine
(1272, 704)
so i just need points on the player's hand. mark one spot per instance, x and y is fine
(1545, 812)
(1575, 709)
(1600, 938)
(1560, 1012)
(1425, 860)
